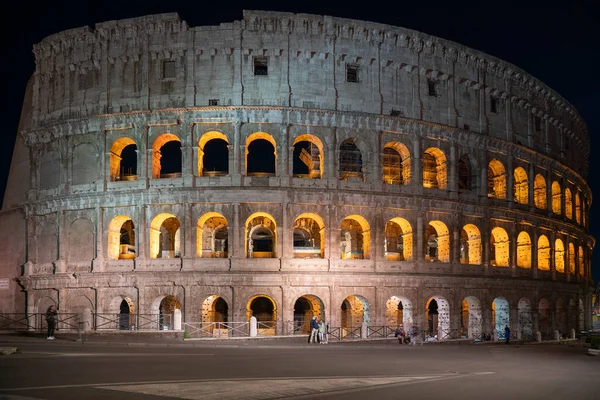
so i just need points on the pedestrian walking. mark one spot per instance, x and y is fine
(323, 332)
(51, 320)
(314, 330)
(507, 334)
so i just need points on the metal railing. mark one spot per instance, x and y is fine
(127, 322)
(216, 329)
(16, 322)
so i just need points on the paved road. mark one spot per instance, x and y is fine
(295, 370)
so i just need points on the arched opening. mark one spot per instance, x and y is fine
(308, 157)
(437, 242)
(525, 319)
(212, 236)
(437, 315)
(544, 319)
(215, 309)
(559, 256)
(499, 254)
(213, 154)
(471, 321)
(261, 236)
(123, 160)
(539, 192)
(572, 260)
(496, 180)
(556, 198)
(126, 314)
(465, 173)
(543, 253)
(167, 307)
(568, 204)
(396, 164)
(521, 186)
(264, 310)
(355, 312)
(355, 238)
(500, 315)
(561, 316)
(399, 311)
(165, 240)
(398, 240)
(121, 238)
(261, 155)
(350, 160)
(434, 169)
(577, 208)
(309, 236)
(305, 308)
(523, 250)
(166, 156)
(470, 245)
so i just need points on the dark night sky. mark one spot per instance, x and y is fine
(558, 42)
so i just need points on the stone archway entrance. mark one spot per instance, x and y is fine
(126, 314)
(545, 320)
(561, 316)
(305, 308)
(354, 312)
(398, 311)
(264, 310)
(167, 307)
(215, 309)
(500, 316)
(525, 319)
(437, 317)
(471, 321)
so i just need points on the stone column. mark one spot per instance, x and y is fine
(534, 253)
(512, 246)
(237, 242)
(282, 168)
(417, 175)
(452, 172)
(549, 190)
(419, 239)
(379, 238)
(510, 181)
(98, 262)
(531, 188)
(285, 250)
(141, 238)
(553, 254)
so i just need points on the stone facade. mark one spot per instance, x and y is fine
(318, 165)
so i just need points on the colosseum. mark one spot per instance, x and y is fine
(290, 165)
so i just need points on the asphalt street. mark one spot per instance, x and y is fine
(64, 369)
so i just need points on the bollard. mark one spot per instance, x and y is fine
(253, 326)
(557, 335)
(177, 319)
(363, 331)
(573, 334)
(538, 336)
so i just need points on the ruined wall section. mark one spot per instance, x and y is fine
(158, 62)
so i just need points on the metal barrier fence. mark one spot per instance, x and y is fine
(160, 322)
(216, 329)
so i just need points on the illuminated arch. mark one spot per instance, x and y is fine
(437, 242)
(309, 236)
(568, 204)
(437, 317)
(496, 179)
(399, 310)
(314, 160)
(214, 309)
(434, 169)
(355, 238)
(525, 318)
(350, 160)
(355, 311)
(580, 261)
(117, 171)
(204, 139)
(556, 198)
(470, 245)
(572, 260)
(121, 238)
(521, 186)
(500, 315)
(523, 250)
(398, 240)
(158, 144)
(396, 164)
(264, 309)
(164, 238)
(212, 236)
(260, 236)
(559, 256)
(250, 156)
(499, 253)
(471, 321)
(465, 173)
(539, 192)
(543, 258)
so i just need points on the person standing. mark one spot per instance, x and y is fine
(323, 332)
(51, 321)
(507, 334)
(314, 330)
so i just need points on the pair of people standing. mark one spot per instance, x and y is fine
(318, 331)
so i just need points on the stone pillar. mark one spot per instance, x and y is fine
(141, 239)
(184, 132)
(510, 180)
(455, 248)
(419, 256)
(549, 190)
(282, 169)
(62, 238)
(177, 320)
(483, 178)
(512, 246)
(237, 244)
(234, 160)
(197, 155)
(331, 157)
(100, 234)
(417, 175)
(379, 239)
(534, 253)
(188, 231)
(531, 188)
(286, 245)
(452, 172)
(553, 255)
